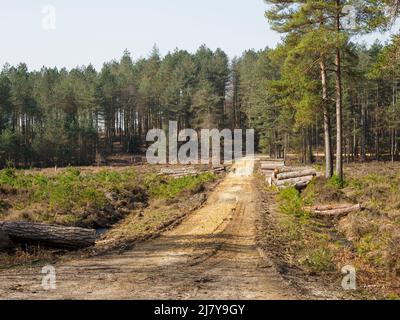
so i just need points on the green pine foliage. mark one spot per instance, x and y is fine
(59, 117)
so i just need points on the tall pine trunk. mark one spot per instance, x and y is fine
(363, 130)
(339, 124)
(310, 154)
(327, 121)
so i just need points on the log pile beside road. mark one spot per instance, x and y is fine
(281, 176)
(180, 172)
(271, 165)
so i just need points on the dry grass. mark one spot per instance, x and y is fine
(368, 240)
(149, 222)
(27, 256)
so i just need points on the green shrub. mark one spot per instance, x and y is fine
(64, 196)
(310, 193)
(393, 296)
(320, 259)
(291, 202)
(336, 182)
(8, 177)
(356, 184)
(70, 189)
(169, 188)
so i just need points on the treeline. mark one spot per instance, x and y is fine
(327, 81)
(61, 117)
(294, 121)
(317, 91)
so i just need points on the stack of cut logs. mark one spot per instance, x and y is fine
(277, 174)
(180, 172)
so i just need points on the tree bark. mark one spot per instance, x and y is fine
(4, 241)
(392, 144)
(339, 124)
(291, 169)
(272, 166)
(293, 181)
(355, 141)
(48, 235)
(296, 174)
(336, 212)
(310, 154)
(327, 121)
(363, 130)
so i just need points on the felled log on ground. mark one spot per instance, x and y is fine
(267, 171)
(293, 181)
(301, 185)
(219, 169)
(337, 211)
(182, 173)
(272, 167)
(334, 206)
(48, 235)
(178, 170)
(4, 241)
(291, 169)
(269, 178)
(273, 162)
(296, 174)
(137, 159)
(189, 171)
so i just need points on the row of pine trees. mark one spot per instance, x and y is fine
(322, 68)
(318, 92)
(61, 117)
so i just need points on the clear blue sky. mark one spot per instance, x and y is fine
(89, 31)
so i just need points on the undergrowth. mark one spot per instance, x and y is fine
(367, 239)
(301, 233)
(69, 196)
(169, 188)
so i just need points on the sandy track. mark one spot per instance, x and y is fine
(211, 255)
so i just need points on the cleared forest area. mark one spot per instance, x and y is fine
(315, 233)
(122, 204)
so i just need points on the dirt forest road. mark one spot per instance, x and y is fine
(211, 255)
